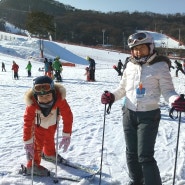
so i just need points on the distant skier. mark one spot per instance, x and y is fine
(170, 65)
(15, 69)
(87, 73)
(120, 66)
(91, 68)
(179, 68)
(41, 69)
(57, 67)
(51, 67)
(3, 67)
(28, 67)
(47, 67)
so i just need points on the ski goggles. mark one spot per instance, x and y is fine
(42, 89)
(138, 37)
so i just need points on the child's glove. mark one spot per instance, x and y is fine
(65, 143)
(29, 150)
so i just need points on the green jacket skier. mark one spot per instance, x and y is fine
(57, 67)
(28, 67)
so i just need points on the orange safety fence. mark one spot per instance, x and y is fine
(68, 64)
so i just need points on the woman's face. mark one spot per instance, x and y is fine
(45, 98)
(140, 51)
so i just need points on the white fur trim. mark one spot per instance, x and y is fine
(29, 141)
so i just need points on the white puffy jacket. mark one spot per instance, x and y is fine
(156, 80)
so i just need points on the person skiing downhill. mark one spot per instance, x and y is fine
(144, 79)
(45, 104)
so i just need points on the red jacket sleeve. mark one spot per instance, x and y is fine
(29, 119)
(66, 115)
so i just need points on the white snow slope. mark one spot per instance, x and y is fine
(84, 99)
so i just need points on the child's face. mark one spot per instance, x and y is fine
(45, 98)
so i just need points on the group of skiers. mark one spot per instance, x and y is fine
(49, 68)
(15, 69)
(53, 67)
(179, 67)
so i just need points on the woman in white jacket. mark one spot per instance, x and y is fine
(145, 78)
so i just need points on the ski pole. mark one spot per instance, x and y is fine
(177, 145)
(55, 180)
(32, 170)
(102, 145)
(12, 74)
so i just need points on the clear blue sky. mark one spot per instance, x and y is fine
(156, 6)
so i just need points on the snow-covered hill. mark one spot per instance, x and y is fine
(31, 46)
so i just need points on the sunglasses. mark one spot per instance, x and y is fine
(136, 37)
(41, 89)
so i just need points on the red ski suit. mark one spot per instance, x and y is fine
(15, 67)
(43, 128)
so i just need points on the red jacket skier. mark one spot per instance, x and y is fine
(15, 68)
(40, 119)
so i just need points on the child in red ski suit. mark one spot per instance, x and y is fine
(40, 123)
